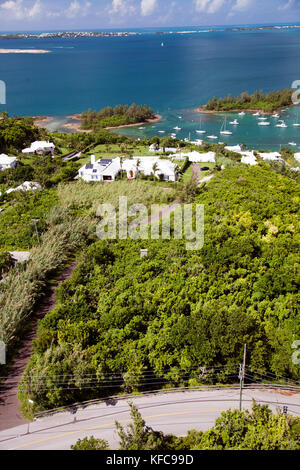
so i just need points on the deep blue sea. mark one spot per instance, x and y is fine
(174, 79)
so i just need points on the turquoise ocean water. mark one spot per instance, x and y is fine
(173, 79)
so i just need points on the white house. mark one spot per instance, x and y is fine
(40, 147)
(100, 170)
(109, 169)
(165, 169)
(153, 148)
(234, 148)
(7, 162)
(297, 156)
(197, 157)
(26, 186)
(248, 158)
(274, 156)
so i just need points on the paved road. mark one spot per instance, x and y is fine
(169, 412)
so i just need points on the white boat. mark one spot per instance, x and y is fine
(263, 123)
(297, 123)
(161, 132)
(256, 114)
(293, 144)
(162, 44)
(179, 117)
(234, 123)
(283, 124)
(223, 130)
(200, 131)
(141, 128)
(177, 128)
(242, 113)
(276, 115)
(262, 119)
(212, 137)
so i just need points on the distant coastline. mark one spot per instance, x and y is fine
(93, 34)
(23, 51)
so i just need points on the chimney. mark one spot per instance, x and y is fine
(93, 159)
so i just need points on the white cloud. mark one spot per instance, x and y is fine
(15, 9)
(288, 5)
(242, 5)
(121, 7)
(76, 9)
(148, 7)
(208, 6)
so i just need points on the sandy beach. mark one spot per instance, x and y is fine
(40, 120)
(23, 51)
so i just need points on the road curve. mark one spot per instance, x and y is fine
(175, 413)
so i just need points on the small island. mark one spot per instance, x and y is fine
(119, 116)
(268, 103)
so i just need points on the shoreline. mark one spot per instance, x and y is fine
(157, 118)
(76, 126)
(203, 110)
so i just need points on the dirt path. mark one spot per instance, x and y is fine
(10, 416)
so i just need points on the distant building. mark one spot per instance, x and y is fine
(197, 157)
(248, 158)
(154, 148)
(40, 148)
(273, 156)
(26, 186)
(297, 156)
(7, 162)
(234, 148)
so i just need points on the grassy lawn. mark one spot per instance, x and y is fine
(187, 176)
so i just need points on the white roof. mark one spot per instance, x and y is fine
(6, 160)
(26, 186)
(249, 159)
(164, 166)
(297, 156)
(39, 145)
(271, 156)
(234, 148)
(195, 157)
(106, 167)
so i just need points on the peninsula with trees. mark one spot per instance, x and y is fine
(119, 116)
(258, 101)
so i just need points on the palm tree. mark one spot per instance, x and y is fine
(121, 166)
(154, 169)
(138, 164)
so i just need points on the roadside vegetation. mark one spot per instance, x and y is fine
(258, 429)
(178, 317)
(175, 318)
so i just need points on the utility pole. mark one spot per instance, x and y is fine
(242, 376)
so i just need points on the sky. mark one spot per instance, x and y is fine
(46, 15)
